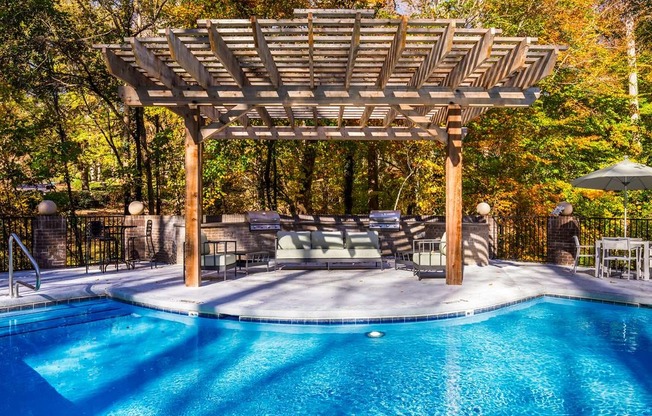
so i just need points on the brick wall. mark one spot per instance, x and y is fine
(561, 248)
(164, 229)
(168, 234)
(49, 245)
(234, 227)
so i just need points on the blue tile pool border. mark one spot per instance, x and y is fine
(46, 303)
(325, 321)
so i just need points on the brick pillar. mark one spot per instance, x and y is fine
(561, 249)
(49, 245)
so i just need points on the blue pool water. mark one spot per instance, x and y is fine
(547, 357)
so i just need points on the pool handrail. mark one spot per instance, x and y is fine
(14, 292)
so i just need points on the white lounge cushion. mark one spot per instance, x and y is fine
(217, 260)
(327, 239)
(362, 239)
(288, 240)
(333, 254)
(429, 258)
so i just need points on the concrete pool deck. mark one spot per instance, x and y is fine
(340, 295)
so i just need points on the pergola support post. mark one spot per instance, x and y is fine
(193, 209)
(454, 249)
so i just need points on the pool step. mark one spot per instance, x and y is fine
(19, 322)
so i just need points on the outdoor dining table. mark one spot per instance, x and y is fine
(645, 245)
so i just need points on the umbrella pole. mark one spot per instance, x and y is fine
(625, 211)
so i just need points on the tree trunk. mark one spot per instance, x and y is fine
(307, 173)
(139, 136)
(275, 189)
(633, 72)
(149, 177)
(157, 168)
(349, 172)
(84, 171)
(267, 178)
(372, 175)
(126, 187)
(72, 207)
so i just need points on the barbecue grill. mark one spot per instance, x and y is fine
(263, 220)
(385, 220)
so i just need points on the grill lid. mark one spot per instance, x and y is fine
(263, 220)
(262, 217)
(386, 219)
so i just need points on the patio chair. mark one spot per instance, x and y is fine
(151, 254)
(219, 255)
(618, 250)
(429, 255)
(581, 252)
(106, 245)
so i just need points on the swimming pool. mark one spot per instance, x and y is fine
(549, 356)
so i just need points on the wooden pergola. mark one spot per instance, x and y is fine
(372, 79)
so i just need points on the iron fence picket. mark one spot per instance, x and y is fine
(520, 238)
(23, 227)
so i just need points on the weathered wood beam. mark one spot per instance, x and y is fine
(353, 51)
(437, 53)
(264, 53)
(188, 61)
(440, 117)
(471, 113)
(265, 117)
(311, 51)
(393, 54)
(535, 72)
(366, 115)
(211, 112)
(290, 114)
(226, 56)
(454, 248)
(335, 13)
(513, 61)
(329, 96)
(223, 120)
(323, 133)
(422, 122)
(127, 73)
(471, 60)
(389, 117)
(315, 116)
(193, 208)
(154, 67)
(123, 71)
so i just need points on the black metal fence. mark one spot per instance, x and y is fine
(523, 238)
(23, 228)
(520, 238)
(78, 246)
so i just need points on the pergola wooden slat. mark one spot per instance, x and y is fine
(303, 78)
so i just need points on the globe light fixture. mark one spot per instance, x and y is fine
(136, 208)
(483, 208)
(568, 208)
(46, 207)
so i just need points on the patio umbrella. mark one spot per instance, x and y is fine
(619, 177)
